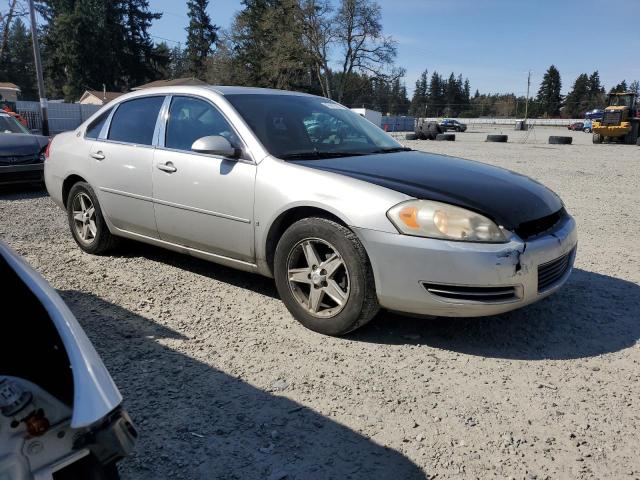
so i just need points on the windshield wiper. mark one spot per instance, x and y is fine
(393, 150)
(315, 154)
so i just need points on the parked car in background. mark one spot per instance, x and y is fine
(61, 415)
(450, 124)
(595, 114)
(576, 126)
(21, 152)
(298, 187)
(586, 126)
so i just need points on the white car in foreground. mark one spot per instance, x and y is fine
(61, 415)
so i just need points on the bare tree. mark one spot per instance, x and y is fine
(14, 9)
(358, 30)
(318, 35)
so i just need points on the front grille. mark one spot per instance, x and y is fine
(535, 227)
(551, 272)
(612, 117)
(475, 294)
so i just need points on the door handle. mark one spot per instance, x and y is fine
(167, 167)
(97, 155)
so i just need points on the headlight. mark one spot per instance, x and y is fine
(426, 218)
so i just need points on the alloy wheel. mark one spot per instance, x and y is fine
(84, 217)
(318, 277)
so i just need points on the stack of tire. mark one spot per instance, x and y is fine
(429, 130)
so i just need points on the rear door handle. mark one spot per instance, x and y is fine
(167, 167)
(97, 155)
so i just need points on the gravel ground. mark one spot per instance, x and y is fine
(223, 383)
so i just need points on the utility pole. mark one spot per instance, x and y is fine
(526, 105)
(38, 62)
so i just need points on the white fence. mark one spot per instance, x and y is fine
(62, 116)
(549, 122)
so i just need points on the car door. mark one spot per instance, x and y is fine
(122, 162)
(202, 201)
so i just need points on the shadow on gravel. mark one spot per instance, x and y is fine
(197, 422)
(22, 192)
(249, 281)
(593, 314)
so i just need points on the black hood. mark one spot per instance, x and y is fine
(17, 148)
(508, 198)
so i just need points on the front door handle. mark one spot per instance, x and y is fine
(97, 155)
(167, 167)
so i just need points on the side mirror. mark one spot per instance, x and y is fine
(216, 145)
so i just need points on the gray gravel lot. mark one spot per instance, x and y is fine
(223, 383)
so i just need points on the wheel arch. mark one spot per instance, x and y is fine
(68, 183)
(287, 218)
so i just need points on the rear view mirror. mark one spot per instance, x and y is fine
(216, 145)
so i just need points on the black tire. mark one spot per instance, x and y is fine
(497, 138)
(411, 136)
(448, 137)
(361, 304)
(638, 142)
(103, 241)
(597, 138)
(560, 140)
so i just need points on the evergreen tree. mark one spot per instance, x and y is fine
(88, 43)
(201, 36)
(549, 96)
(578, 99)
(621, 87)
(177, 63)
(16, 65)
(419, 99)
(137, 58)
(436, 95)
(635, 88)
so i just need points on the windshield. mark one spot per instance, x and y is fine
(8, 124)
(620, 100)
(292, 126)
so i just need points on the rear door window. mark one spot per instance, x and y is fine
(135, 120)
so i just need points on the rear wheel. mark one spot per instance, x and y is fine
(324, 277)
(597, 138)
(87, 224)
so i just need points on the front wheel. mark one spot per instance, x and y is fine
(324, 277)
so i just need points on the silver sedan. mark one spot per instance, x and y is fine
(300, 188)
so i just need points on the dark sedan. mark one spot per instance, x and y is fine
(450, 124)
(21, 152)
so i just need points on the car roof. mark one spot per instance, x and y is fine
(233, 90)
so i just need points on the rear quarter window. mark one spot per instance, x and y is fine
(95, 127)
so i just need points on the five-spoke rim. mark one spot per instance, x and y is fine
(84, 217)
(318, 277)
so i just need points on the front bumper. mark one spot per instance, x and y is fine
(612, 130)
(402, 265)
(11, 174)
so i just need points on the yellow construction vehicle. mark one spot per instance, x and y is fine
(620, 121)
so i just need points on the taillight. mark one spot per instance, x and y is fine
(47, 148)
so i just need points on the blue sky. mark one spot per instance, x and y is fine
(492, 42)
